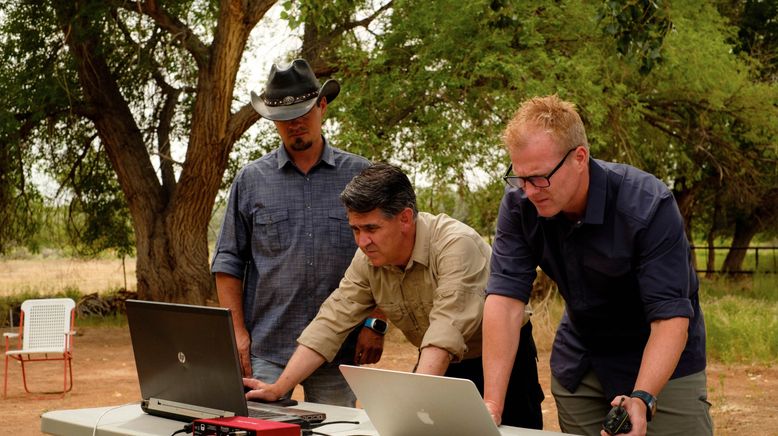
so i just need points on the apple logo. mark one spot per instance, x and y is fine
(424, 417)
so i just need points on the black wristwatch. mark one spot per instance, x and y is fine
(650, 401)
(377, 325)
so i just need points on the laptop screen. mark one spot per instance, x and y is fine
(186, 355)
(419, 404)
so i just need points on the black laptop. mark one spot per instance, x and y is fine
(188, 366)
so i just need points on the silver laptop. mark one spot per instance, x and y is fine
(188, 364)
(409, 404)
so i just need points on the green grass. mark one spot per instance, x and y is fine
(758, 259)
(757, 287)
(741, 317)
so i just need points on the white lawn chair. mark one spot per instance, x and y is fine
(45, 333)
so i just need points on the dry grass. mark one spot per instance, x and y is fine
(49, 276)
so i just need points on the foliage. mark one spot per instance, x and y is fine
(639, 28)
(473, 206)
(700, 119)
(103, 309)
(43, 122)
(98, 218)
(686, 91)
(108, 88)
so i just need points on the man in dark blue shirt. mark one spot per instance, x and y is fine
(613, 240)
(285, 241)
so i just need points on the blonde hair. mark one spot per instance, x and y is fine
(553, 115)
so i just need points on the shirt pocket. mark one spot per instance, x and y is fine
(340, 234)
(271, 234)
(608, 281)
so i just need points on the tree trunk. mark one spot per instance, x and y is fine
(710, 266)
(172, 261)
(685, 198)
(170, 224)
(745, 229)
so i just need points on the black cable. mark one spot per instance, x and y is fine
(186, 429)
(322, 424)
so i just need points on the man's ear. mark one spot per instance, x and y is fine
(581, 156)
(323, 105)
(406, 216)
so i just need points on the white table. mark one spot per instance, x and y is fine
(130, 420)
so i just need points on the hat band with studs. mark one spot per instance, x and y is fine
(289, 99)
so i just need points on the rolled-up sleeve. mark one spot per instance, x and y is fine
(233, 247)
(663, 265)
(462, 269)
(513, 268)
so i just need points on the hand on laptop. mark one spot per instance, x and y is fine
(260, 391)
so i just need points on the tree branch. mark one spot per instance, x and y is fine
(360, 23)
(71, 176)
(240, 122)
(177, 29)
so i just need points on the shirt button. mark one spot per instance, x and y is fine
(310, 235)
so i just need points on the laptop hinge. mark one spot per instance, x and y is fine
(183, 409)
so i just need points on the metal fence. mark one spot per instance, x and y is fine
(758, 259)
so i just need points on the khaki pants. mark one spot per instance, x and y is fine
(682, 407)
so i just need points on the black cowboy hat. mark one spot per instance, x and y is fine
(292, 92)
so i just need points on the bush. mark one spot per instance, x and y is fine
(92, 309)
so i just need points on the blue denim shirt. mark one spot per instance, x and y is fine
(286, 235)
(625, 264)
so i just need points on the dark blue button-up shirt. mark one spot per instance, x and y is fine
(286, 235)
(625, 264)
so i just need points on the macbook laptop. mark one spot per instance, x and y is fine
(409, 404)
(188, 365)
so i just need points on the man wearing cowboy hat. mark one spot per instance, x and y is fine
(285, 241)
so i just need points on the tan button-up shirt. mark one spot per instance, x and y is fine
(437, 300)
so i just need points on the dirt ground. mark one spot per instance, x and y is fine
(745, 398)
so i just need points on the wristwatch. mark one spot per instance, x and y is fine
(377, 325)
(650, 401)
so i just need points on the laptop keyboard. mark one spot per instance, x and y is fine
(266, 414)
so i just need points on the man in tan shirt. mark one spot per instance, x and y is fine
(427, 273)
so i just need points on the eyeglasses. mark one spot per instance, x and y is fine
(536, 181)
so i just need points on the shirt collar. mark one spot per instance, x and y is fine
(327, 156)
(595, 203)
(421, 246)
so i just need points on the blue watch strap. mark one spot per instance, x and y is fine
(375, 324)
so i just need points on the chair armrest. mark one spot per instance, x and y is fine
(7, 337)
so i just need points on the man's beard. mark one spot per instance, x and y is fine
(299, 145)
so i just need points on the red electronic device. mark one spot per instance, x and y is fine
(241, 425)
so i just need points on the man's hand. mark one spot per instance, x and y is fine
(494, 410)
(370, 347)
(260, 390)
(636, 409)
(243, 342)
